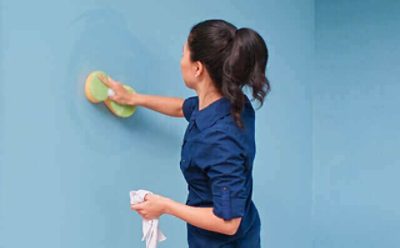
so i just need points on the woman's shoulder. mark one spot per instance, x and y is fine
(192, 99)
(189, 104)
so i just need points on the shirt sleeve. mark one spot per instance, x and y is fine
(227, 172)
(188, 106)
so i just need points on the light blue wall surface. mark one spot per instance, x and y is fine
(67, 165)
(356, 125)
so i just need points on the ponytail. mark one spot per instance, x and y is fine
(245, 66)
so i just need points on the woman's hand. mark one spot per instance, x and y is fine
(152, 207)
(121, 95)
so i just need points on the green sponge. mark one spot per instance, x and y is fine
(96, 91)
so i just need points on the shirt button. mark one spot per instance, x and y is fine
(183, 160)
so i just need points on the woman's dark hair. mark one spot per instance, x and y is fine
(234, 58)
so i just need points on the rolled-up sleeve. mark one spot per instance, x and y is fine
(226, 170)
(188, 106)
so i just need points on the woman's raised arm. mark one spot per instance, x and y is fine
(171, 106)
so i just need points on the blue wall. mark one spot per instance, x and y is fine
(327, 139)
(67, 165)
(356, 122)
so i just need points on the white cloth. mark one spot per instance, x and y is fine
(150, 229)
(110, 92)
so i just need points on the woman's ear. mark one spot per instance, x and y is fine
(199, 69)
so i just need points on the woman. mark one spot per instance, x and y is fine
(218, 147)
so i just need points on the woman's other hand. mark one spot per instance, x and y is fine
(152, 207)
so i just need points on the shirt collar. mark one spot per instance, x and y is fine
(209, 115)
(213, 112)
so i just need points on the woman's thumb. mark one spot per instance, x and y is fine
(137, 206)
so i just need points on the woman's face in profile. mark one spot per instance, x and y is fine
(187, 67)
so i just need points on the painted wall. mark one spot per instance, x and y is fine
(66, 166)
(356, 122)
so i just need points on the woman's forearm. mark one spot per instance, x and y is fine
(171, 106)
(202, 217)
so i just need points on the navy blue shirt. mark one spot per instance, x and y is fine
(217, 161)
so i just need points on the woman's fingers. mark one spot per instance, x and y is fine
(105, 81)
(113, 82)
(119, 93)
(109, 82)
(140, 211)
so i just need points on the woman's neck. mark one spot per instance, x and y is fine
(207, 94)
